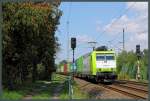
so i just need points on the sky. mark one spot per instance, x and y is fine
(101, 22)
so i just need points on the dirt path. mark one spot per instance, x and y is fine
(36, 89)
(54, 90)
(28, 97)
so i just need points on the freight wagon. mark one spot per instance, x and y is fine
(64, 68)
(99, 66)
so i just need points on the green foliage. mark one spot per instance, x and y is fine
(28, 39)
(58, 78)
(12, 95)
(127, 65)
(121, 60)
(77, 93)
(64, 93)
(37, 90)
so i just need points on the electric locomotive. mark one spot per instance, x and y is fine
(98, 65)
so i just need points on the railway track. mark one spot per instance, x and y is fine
(128, 90)
(136, 90)
(134, 82)
(133, 88)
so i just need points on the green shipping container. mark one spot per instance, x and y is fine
(79, 64)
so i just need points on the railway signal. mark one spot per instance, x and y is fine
(137, 48)
(73, 46)
(138, 53)
(73, 43)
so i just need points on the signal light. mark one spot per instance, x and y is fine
(137, 49)
(138, 52)
(73, 43)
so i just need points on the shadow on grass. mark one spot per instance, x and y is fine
(44, 89)
(37, 90)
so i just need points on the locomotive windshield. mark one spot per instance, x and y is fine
(105, 60)
(104, 57)
(98, 58)
(109, 57)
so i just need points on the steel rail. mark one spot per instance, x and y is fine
(124, 92)
(135, 82)
(133, 88)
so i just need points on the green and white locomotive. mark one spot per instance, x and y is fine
(98, 65)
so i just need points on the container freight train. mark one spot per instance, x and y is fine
(64, 68)
(99, 65)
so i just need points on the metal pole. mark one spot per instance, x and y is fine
(138, 70)
(73, 76)
(123, 39)
(70, 79)
(70, 91)
(73, 64)
(93, 48)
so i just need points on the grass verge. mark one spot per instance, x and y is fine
(37, 90)
(77, 93)
(12, 95)
(44, 90)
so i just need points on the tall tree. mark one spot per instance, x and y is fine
(28, 39)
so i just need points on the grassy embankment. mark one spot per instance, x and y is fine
(44, 90)
(37, 90)
(77, 93)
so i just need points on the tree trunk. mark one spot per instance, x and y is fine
(10, 80)
(34, 70)
(46, 77)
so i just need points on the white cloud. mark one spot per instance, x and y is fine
(138, 6)
(136, 25)
(142, 40)
(130, 25)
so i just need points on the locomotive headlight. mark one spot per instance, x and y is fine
(99, 70)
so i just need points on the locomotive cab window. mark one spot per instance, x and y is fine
(98, 57)
(109, 57)
(105, 57)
